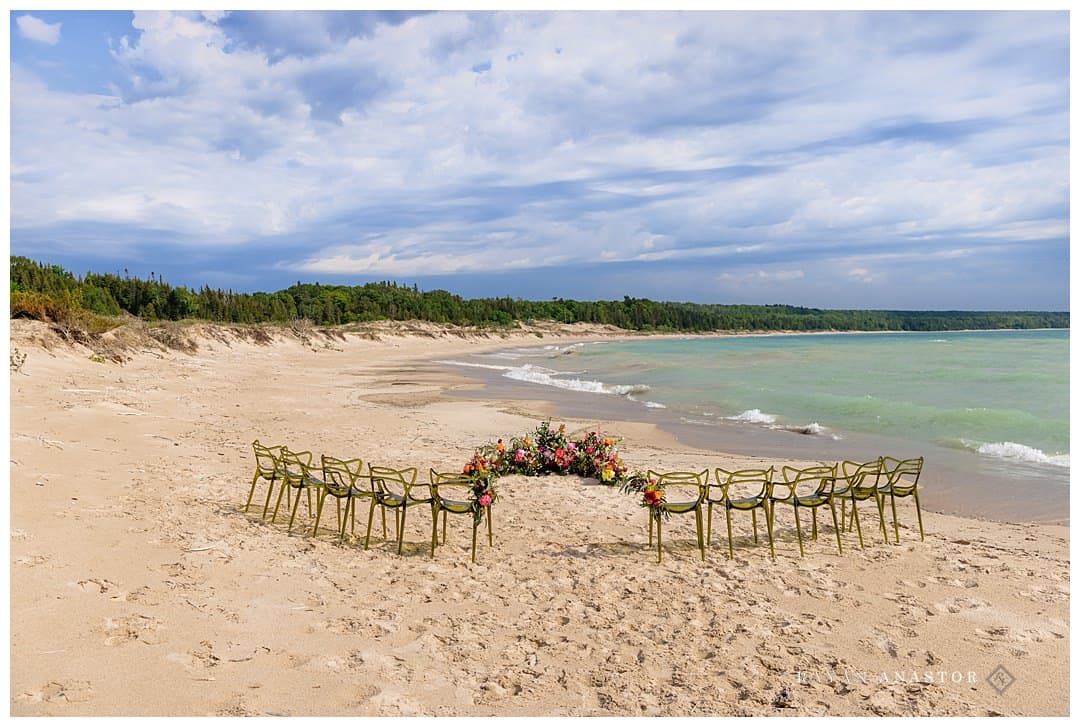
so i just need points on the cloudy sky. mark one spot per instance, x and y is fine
(844, 159)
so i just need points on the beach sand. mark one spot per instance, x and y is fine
(139, 586)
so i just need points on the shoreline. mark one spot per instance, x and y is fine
(957, 482)
(141, 587)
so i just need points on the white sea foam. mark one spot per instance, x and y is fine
(549, 377)
(655, 405)
(1022, 452)
(754, 416)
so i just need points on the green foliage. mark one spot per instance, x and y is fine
(38, 288)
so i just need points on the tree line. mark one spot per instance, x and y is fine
(39, 289)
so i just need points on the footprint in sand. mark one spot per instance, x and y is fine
(71, 692)
(959, 605)
(131, 628)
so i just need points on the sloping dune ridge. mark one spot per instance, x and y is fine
(140, 586)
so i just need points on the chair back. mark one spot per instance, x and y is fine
(743, 484)
(391, 481)
(267, 459)
(296, 465)
(806, 481)
(455, 484)
(860, 475)
(682, 486)
(340, 475)
(903, 474)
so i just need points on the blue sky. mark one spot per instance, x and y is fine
(832, 159)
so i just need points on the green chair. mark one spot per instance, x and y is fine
(442, 484)
(393, 489)
(298, 476)
(343, 479)
(742, 490)
(812, 488)
(267, 467)
(858, 482)
(694, 485)
(902, 481)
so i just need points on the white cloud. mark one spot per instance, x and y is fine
(33, 28)
(659, 137)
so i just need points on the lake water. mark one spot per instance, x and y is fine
(989, 410)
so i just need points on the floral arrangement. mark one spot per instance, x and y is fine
(546, 450)
(482, 475)
(652, 494)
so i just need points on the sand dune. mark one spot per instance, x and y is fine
(139, 586)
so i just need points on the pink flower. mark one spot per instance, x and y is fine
(519, 456)
(485, 499)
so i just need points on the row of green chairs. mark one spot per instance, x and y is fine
(384, 487)
(806, 488)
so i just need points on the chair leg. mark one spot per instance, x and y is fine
(252, 493)
(858, 526)
(371, 513)
(435, 528)
(474, 525)
(896, 528)
(349, 505)
(650, 514)
(753, 518)
(700, 534)
(813, 515)
(401, 529)
(879, 500)
(296, 504)
(318, 513)
(444, 528)
(798, 531)
(659, 547)
(730, 547)
(843, 511)
(836, 525)
(918, 513)
(708, 527)
(491, 542)
(768, 524)
(269, 494)
(281, 491)
(308, 502)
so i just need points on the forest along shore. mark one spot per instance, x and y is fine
(140, 586)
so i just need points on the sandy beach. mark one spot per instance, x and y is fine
(139, 586)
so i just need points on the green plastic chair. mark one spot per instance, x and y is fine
(742, 490)
(857, 482)
(454, 483)
(903, 481)
(680, 482)
(267, 467)
(344, 480)
(816, 485)
(393, 489)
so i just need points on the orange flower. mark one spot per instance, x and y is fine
(500, 447)
(562, 429)
(607, 441)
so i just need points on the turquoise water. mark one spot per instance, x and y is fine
(998, 395)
